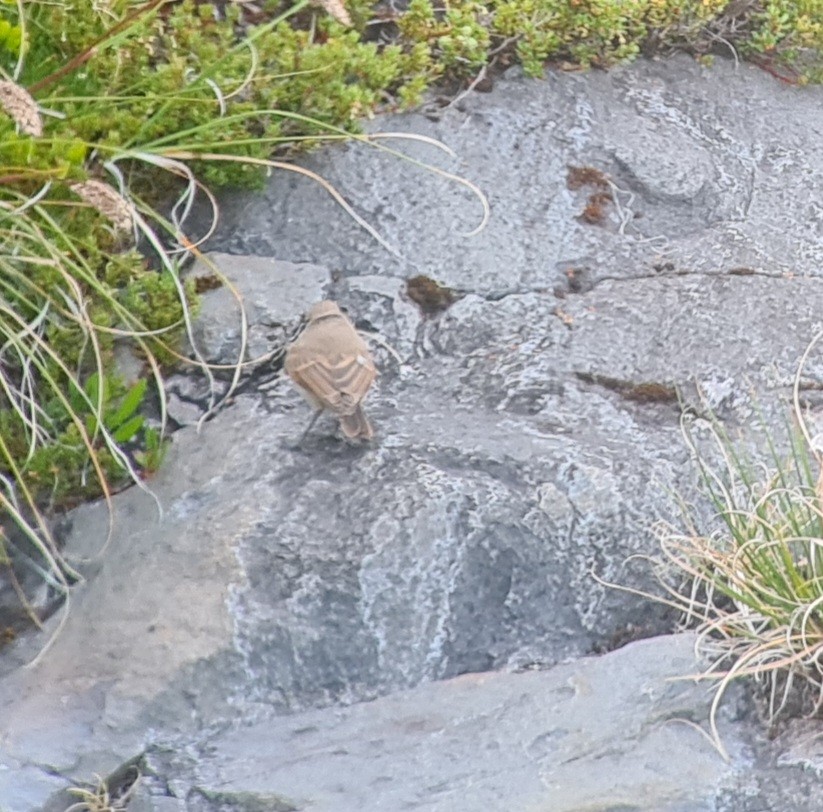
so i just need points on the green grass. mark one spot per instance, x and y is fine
(754, 585)
(784, 35)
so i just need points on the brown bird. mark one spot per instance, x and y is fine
(333, 369)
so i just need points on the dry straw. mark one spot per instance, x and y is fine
(19, 104)
(336, 9)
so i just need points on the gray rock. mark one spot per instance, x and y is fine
(274, 294)
(606, 733)
(527, 437)
(716, 166)
(25, 786)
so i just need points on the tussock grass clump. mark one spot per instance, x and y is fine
(753, 585)
(743, 567)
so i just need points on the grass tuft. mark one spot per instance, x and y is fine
(99, 796)
(753, 586)
(745, 567)
(749, 579)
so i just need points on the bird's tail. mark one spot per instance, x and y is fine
(356, 424)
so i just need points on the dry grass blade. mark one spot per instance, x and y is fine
(336, 9)
(339, 199)
(100, 798)
(19, 104)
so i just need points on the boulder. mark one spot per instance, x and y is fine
(410, 623)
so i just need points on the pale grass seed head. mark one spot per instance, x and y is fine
(107, 201)
(19, 104)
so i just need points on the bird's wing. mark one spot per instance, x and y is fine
(340, 384)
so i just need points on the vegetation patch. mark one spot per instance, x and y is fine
(783, 35)
(753, 585)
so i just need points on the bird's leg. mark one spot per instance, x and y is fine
(317, 414)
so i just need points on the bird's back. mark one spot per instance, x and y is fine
(332, 363)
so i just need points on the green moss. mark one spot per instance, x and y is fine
(791, 32)
(167, 81)
(603, 32)
(61, 473)
(153, 299)
(459, 36)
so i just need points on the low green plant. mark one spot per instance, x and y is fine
(790, 32)
(463, 34)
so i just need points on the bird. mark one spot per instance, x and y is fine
(333, 369)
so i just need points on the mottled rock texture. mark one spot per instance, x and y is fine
(527, 436)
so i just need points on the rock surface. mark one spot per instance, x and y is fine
(606, 733)
(527, 436)
(717, 165)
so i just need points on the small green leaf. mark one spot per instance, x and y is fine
(129, 405)
(75, 153)
(76, 401)
(92, 425)
(14, 39)
(127, 431)
(62, 169)
(93, 389)
(155, 451)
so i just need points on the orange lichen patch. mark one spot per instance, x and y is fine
(564, 317)
(642, 392)
(650, 393)
(7, 635)
(207, 282)
(575, 279)
(580, 176)
(596, 205)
